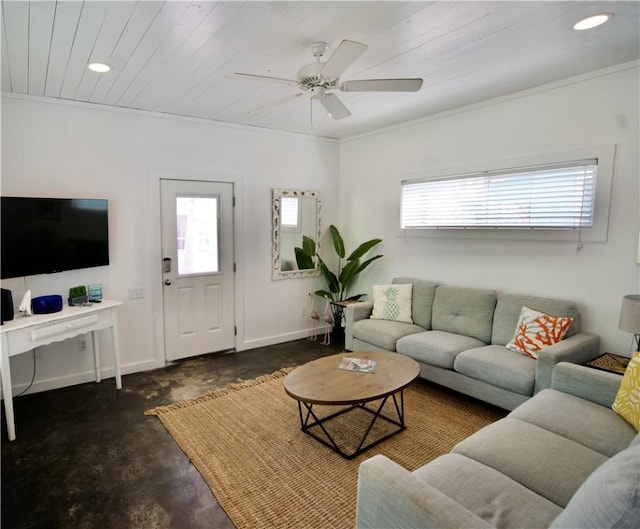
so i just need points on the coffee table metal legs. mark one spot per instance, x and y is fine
(309, 420)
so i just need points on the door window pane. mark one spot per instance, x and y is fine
(197, 235)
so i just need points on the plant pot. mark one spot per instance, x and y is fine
(80, 300)
(337, 335)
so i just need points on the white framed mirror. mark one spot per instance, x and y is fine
(295, 214)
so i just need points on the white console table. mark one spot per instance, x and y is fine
(23, 334)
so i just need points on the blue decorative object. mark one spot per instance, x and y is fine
(46, 304)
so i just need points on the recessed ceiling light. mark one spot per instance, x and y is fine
(592, 22)
(99, 67)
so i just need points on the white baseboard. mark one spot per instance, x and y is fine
(82, 378)
(274, 340)
(107, 373)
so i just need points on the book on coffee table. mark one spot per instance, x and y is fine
(363, 365)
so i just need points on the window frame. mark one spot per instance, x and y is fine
(293, 228)
(598, 232)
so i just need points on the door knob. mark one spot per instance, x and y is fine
(167, 282)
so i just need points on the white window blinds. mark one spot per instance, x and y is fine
(290, 214)
(558, 196)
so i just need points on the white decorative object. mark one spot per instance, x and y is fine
(25, 304)
(328, 324)
(315, 317)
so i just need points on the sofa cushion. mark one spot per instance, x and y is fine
(627, 402)
(531, 455)
(575, 419)
(421, 300)
(490, 495)
(609, 498)
(383, 333)
(466, 311)
(436, 348)
(392, 302)
(536, 330)
(508, 309)
(499, 367)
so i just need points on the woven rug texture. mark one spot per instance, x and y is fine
(265, 472)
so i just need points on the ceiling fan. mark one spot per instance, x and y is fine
(320, 78)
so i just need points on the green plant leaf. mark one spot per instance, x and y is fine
(325, 294)
(303, 259)
(330, 277)
(348, 273)
(339, 283)
(354, 298)
(338, 243)
(308, 246)
(363, 249)
(367, 263)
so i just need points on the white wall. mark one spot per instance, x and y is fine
(71, 150)
(61, 149)
(598, 109)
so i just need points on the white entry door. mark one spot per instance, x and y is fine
(197, 267)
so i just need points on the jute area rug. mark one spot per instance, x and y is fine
(246, 442)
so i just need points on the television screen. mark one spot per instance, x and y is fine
(46, 235)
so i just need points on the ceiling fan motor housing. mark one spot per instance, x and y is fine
(310, 76)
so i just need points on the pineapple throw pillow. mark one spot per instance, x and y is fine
(392, 302)
(627, 403)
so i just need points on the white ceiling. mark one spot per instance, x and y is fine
(179, 57)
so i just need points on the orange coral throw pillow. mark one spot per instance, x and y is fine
(537, 330)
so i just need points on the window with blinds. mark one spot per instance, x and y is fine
(556, 196)
(290, 213)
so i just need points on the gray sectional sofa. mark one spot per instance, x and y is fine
(458, 337)
(564, 459)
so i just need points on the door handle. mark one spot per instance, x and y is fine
(167, 282)
(166, 265)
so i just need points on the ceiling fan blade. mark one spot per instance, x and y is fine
(335, 107)
(346, 52)
(382, 85)
(267, 78)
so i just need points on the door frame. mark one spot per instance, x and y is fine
(155, 263)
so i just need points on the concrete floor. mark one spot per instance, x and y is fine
(86, 456)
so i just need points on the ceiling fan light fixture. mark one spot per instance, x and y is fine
(317, 92)
(99, 67)
(592, 21)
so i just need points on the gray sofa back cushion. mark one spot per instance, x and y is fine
(466, 311)
(508, 309)
(421, 299)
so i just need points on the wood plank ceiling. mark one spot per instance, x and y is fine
(179, 57)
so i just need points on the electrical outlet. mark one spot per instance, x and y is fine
(303, 312)
(136, 293)
(82, 345)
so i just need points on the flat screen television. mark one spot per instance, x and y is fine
(47, 235)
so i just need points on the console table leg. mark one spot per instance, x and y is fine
(7, 391)
(116, 348)
(96, 354)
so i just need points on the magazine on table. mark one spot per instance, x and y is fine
(362, 365)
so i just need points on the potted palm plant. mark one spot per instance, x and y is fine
(340, 282)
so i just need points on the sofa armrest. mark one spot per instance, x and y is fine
(577, 349)
(390, 496)
(587, 383)
(352, 313)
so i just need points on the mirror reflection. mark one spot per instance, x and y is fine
(296, 224)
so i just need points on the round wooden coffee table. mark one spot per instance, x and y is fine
(322, 382)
